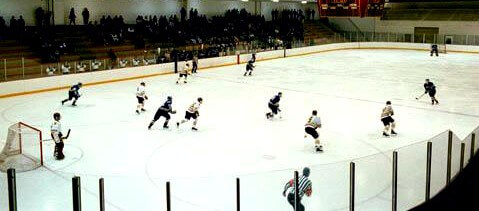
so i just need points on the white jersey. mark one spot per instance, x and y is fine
(140, 91)
(56, 129)
(313, 122)
(185, 70)
(194, 107)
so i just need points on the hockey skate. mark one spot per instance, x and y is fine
(393, 132)
(177, 124)
(143, 110)
(319, 148)
(138, 112)
(385, 134)
(194, 129)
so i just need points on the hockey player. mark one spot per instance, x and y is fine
(431, 89)
(184, 73)
(164, 111)
(249, 67)
(141, 97)
(313, 123)
(434, 49)
(192, 112)
(73, 93)
(273, 104)
(388, 121)
(57, 136)
(195, 64)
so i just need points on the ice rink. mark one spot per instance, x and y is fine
(349, 88)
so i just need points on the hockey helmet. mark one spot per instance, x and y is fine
(169, 98)
(80, 84)
(200, 99)
(56, 116)
(306, 171)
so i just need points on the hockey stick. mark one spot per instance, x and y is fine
(66, 137)
(68, 134)
(417, 98)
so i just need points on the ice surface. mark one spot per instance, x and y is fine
(348, 88)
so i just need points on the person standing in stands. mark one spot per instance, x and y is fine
(72, 16)
(304, 187)
(86, 16)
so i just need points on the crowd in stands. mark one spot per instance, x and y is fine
(216, 33)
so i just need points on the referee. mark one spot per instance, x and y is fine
(304, 187)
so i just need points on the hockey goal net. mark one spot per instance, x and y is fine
(22, 149)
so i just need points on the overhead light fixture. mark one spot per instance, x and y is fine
(275, 0)
(244, 0)
(304, 2)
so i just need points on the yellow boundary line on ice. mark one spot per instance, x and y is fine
(216, 66)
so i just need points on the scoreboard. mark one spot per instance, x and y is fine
(362, 8)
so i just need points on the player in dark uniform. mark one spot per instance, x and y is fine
(434, 49)
(273, 104)
(163, 111)
(249, 67)
(430, 88)
(73, 94)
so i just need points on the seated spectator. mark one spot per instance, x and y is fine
(66, 68)
(146, 61)
(123, 63)
(95, 65)
(135, 62)
(51, 70)
(81, 67)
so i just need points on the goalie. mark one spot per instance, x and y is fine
(57, 136)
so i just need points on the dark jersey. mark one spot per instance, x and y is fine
(74, 89)
(274, 100)
(250, 65)
(166, 106)
(434, 47)
(429, 87)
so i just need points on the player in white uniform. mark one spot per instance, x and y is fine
(141, 97)
(388, 121)
(184, 73)
(192, 112)
(57, 136)
(313, 123)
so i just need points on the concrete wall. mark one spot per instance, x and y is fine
(26, 8)
(13, 88)
(406, 27)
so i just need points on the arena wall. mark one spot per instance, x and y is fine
(21, 87)
(406, 27)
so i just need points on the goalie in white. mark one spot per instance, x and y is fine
(57, 136)
(141, 97)
(192, 112)
(313, 123)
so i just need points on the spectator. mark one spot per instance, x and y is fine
(21, 24)
(81, 67)
(40, 16)
(123, 63)
(86, 16)
(95, 65)
(50, 70)
(183, 14)
(13, 23)
(65, 68)
(72, 16)
(312, 14)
